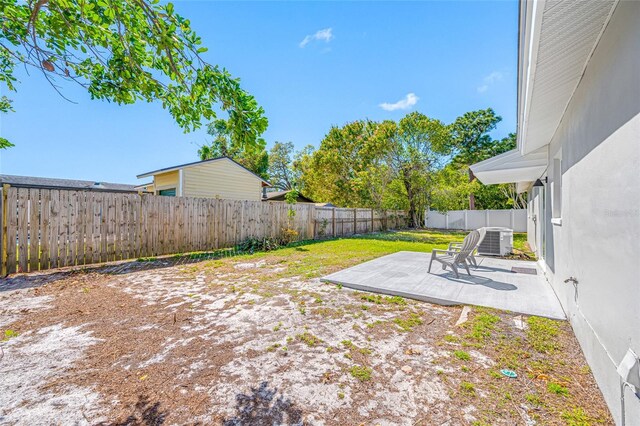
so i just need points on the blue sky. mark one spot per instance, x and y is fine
(311, 65)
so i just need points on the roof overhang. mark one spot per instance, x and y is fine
(195, 163)
(511, 167)
(556, 41)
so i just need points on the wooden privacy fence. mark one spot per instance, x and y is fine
(47, 228)
(336, 222)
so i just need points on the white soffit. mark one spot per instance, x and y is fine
(568, 32)
(511, 167)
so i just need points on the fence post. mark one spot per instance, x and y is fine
(512, 217)
(446, 220)
(312, 223)
(372, 226)
(486, 217)
(4, 240)
(333, 221)
(355, 220)
(466, 226)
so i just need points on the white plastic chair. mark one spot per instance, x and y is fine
(458, 257)
(472, 257)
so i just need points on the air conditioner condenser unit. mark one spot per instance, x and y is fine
(497, 242)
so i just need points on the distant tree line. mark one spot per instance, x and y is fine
(413, 164)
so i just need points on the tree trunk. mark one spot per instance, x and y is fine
(472, 198)
(413, 220)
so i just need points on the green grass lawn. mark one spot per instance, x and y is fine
(317, 258)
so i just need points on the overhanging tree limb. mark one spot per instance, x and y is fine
(125, 51)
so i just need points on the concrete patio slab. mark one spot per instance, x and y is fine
(492, 284)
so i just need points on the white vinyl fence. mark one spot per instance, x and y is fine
(474, 219)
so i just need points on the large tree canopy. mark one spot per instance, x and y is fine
(417, 146)
(281, 172)
(338, 171)
(252, 156)
(123, 51)
(471, 141)
(413, 164)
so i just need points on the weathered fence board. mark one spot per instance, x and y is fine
(44, 228)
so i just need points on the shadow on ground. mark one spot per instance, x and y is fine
(262, 406)
(145, 413)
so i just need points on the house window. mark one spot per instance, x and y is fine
(170, 192)
(556, 189)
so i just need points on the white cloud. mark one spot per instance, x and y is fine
(489, 81)
(410, 100)
(325, 35)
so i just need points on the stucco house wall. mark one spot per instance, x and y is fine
(593, 229)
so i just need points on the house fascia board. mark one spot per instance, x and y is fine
(196, 163)
(512, 167)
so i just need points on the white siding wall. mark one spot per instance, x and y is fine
(221, 179)
(598, 241)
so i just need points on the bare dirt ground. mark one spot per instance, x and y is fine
(238, 342)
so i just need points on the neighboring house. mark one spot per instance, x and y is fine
(215, 178)
(578, 156)
(281, 196)
(70, 184)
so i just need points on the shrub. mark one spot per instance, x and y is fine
(289, 235)
(252, 245)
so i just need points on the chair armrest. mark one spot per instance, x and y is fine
(450, 252)
(456, 244)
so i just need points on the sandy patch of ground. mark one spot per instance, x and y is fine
(223, 343)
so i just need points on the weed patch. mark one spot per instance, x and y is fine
(468, 388)
(309, 339)
(462, 355)
(543, 334)
(361, 372)
(482, 325)
(578, 417)
(9, 334)
(557, 389)
(408, 323)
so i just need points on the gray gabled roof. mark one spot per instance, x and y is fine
(281, 196)
(53, 183)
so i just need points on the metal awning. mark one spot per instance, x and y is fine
(512, 167)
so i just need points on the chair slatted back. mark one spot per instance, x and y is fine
(469, 244)
(483, 233)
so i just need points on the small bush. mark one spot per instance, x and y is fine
(252, 245)
(289, 235)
